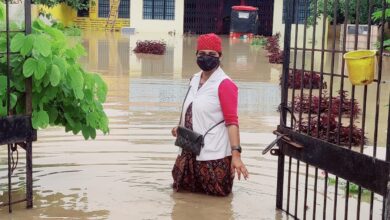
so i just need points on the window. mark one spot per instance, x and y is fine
(300, 9)
(83, 13)
(159, 9)
(104, 8)
(124, 9)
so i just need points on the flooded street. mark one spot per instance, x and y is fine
(127, 174)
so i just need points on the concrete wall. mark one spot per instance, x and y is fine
(156, 26)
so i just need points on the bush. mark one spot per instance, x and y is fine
(63, 92)
(72, 30)
(150, 47)
(275, 55)
(295, 79)
(323, 107)
(259, 41)
(328, 118)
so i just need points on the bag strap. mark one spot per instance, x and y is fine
(182, 107)
(213, 127)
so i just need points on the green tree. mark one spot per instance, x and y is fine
(378, 14)
(342, 6)
(76, 4)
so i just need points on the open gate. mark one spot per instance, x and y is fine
(333, 138)
(16, 130)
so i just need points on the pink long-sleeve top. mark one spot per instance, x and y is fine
(228, 97)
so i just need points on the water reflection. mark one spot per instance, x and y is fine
(53, 205)
(108, 53)
(240, 61)
(198, 206)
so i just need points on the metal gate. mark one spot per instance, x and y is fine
(333, 138)
(16, 130)
(203, 16)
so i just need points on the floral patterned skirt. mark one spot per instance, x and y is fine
(211, 177)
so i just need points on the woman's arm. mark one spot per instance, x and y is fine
(237, 164)
(228, 96)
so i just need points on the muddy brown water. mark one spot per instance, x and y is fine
(126, 174)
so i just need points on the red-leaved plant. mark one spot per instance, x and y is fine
(303, 104)
(150, 47)
(346, 134)
(295, 79)
(275, 55)
(328, 121)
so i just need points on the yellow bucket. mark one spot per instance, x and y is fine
(361, 66)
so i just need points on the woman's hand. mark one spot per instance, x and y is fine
(174, 131)
(238, 166)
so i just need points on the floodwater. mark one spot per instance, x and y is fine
(126, 174)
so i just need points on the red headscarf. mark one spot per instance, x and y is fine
(209, 42)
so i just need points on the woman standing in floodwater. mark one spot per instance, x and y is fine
(212, 98)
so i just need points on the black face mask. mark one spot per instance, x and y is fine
(207, 63)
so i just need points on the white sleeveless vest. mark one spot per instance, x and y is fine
(206, 112)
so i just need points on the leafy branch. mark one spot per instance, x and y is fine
(63, 92)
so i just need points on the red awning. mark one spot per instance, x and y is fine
(244, 8)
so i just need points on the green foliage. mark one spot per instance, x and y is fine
(341, 12)
(72, 30)
(386, 44)
(353, 188)
(64, 93)
(76, 4)
(259, 41)
(377, 15)
(2, 11)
